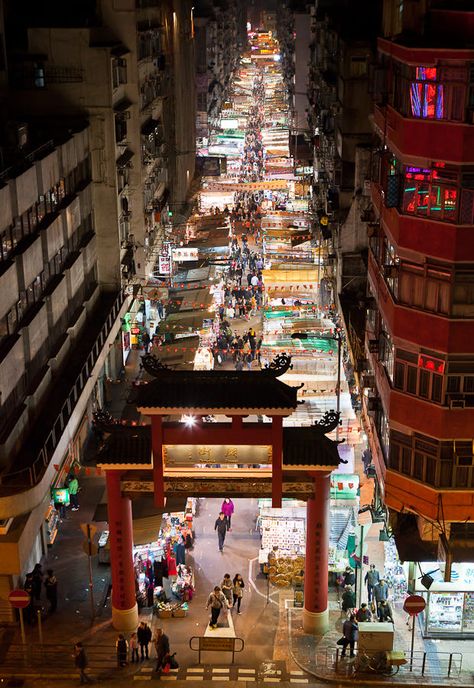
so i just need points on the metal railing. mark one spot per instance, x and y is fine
(433, 665)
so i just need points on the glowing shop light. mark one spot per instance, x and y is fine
(189, 421)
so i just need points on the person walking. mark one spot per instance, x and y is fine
(349, 576)
(227, 509)
(74, 493)
(221, 525)
(238, 591)
(380, 594)
(122, 650)
(348, 599)
(144, 638)
(37, 581)
(349, 632)
(372, 577)
(51, 585)
(162, 647)
(227, 588)
(216, 601)
(133, 648)
(81, 662)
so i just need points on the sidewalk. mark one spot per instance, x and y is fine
(318, 657)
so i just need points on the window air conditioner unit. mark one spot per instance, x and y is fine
(457, 403)
(390, 270)
(368, 381)
(372, 405)
(374, 346)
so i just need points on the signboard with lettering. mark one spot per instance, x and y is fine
(181, 255)
(186, 454)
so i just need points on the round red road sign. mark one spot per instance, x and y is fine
(414, 604)
(19, 599)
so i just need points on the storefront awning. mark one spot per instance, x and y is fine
(187, 321)
(146, 530)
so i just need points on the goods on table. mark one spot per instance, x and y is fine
(167, 610)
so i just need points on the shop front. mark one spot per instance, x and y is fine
(164, 580)
(449, 611)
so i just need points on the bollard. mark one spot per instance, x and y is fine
(423, 664)
(40, 626)
(450, 663)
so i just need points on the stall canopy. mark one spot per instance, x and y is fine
(190, 321)
(409, 544)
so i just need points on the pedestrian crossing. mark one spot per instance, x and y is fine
(267, 675)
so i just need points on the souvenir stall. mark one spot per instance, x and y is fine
(163, 579)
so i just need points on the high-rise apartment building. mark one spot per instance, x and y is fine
(420, 391)
(91, 181)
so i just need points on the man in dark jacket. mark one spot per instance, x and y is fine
(162, 647)
(221, 525)
(349, 631)
(51, 585)
(80, 662)
(144, 637)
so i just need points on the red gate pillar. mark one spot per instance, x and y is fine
(124, 604)
(277, 461)
(157, 451)
(315, 613)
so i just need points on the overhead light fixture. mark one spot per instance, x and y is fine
(427, 581)
(189, 421)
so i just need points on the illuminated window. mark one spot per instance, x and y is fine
(426, 95)
(426, 193)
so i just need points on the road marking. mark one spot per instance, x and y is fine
(247, 671)
(245, 678)
(296, 673)
(251, 581)
(168, 678)
(194, 678)
(142, 678)
(299, 680)
(220, 671)
(147, 670)
(275, 679)
(195, 670)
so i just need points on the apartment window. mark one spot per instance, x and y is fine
(358, 66)
(428, 289)
(120, 128)
(430, 193)
(119, 71)
(6, 243)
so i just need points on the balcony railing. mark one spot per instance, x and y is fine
(68, 386)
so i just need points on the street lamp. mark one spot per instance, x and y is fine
(337, 337)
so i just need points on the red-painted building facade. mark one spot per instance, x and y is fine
(419, 396)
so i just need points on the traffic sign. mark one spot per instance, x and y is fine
(414, 604)
(19, 599)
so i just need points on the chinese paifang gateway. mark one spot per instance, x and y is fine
(298, 463)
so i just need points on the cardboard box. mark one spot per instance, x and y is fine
(164, 614)
(375, 636)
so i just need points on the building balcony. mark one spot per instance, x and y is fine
(423, 328)
(32, 470)
(424, 140)
(444, 240)
(404, 493)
